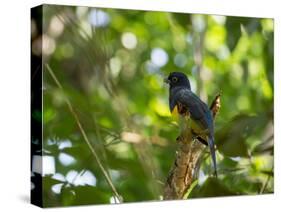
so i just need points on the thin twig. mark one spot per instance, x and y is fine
(107, 177)
(264, 186)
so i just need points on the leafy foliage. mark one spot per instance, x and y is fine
(111, 65)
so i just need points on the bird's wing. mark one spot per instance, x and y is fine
(198, 110)
(201, 115)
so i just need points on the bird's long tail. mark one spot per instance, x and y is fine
(213, 153)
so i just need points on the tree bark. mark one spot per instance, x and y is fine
(183, 171)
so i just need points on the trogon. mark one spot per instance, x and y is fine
(184, 102)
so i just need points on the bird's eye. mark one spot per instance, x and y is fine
(174, 79)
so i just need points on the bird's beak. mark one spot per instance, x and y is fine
(166, 80)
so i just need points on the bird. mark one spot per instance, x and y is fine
(183, 102)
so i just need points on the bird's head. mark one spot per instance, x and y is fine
(177, 79)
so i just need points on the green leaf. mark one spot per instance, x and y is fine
(182, 19)
(234, 32)
(84, 195)
(231, 139)
(212, 187)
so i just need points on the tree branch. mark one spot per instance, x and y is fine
(183, 171)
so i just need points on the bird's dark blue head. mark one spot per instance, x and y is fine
(177, 79)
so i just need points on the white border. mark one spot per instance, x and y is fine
(15, 101)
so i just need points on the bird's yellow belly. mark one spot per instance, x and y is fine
(185, 121)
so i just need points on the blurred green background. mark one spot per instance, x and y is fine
(111, 64)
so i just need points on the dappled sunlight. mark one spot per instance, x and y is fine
(180, 60)
(48, 165)
(86, 178)
(114, 200)
(108, 132)
(57, 188)
(159, 57)
(49, 45)
(66, 159)
(64, 144)
(115, 65)
(129, 40)
(59, 176)
(131, 137)
(98, 18)
(56, 27)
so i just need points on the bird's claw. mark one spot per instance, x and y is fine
(194, 136)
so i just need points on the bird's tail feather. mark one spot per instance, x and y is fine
(213, 153)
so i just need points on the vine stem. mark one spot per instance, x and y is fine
(71, 109)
